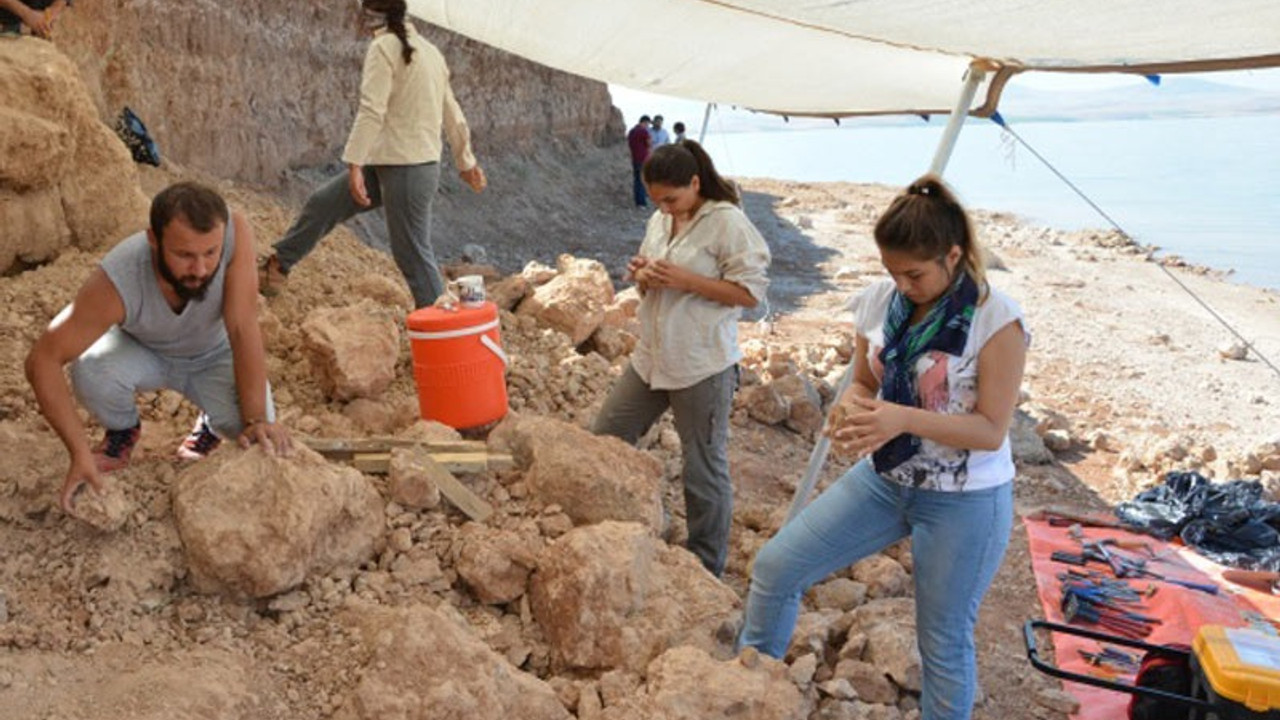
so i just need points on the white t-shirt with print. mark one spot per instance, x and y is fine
(946, 384)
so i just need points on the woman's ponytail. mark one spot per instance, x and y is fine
(393, 11)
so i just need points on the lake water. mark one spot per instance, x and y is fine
(1207, 189)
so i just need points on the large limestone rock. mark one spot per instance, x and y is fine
(419, 664)
(65, 179)
(591, 478)
(256, 525)
(804, 405)
(883, 576)
(574, 301)
(686, 683)
(412, 478)
(613, 596)
(353, 349)
(890, 628)
(496, 564)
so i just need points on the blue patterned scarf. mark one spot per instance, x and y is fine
(945, 328)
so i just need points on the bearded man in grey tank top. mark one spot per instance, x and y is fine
(173, 307)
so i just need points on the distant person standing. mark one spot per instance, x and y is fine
(679, 128)
(639, 141)
(39, 15)
(392, 156)
(658, 133)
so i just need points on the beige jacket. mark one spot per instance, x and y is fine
(405, 108)
(686, 338)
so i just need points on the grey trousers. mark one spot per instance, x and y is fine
(406, 193)
(108, 376)
(701, 413)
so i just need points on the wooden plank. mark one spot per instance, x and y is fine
(346, 447)
(461, 496)
(467, 462)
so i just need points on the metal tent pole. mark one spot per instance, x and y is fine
(706, 117)
(973, 78)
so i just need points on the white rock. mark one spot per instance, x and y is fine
(1233, 351)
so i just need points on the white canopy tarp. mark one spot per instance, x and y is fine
(859, 57)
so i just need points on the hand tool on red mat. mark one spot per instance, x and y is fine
(1100, 547)
(1209, 588)
(1061, 517)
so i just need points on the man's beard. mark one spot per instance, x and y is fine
(186, 292)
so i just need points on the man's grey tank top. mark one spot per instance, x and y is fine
(196, 331)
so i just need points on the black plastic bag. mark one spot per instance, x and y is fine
(134, 134)
(1229, 523)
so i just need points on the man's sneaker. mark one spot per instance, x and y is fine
(202, 441)
(271, 278)
(113, 452)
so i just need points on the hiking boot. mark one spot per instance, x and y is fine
(113, 452)
(271, 278)
(202, 441)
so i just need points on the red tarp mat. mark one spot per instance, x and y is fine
(1181, 610)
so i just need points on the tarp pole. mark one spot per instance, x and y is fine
(706, 118)
(973, 78)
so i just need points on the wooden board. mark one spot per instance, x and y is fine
(462, 497)
(373, 455)
(342, 448)
(380, 463)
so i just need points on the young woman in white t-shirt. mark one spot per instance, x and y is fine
(938, 363)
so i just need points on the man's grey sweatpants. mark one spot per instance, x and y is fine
(701, 412)
(108, 376)
(406, 193)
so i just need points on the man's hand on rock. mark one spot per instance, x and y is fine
(82, 472)
(273, 437)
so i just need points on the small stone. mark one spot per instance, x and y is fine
(290, 602)
(474, 254)
(401, 539)
(1057, 700)
(839, 689)
(1102, 442)
(1233, 351)
(749, 658)
(106, 511)
(1057, 440)
(802, 669)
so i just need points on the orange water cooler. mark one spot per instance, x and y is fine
(459, 365)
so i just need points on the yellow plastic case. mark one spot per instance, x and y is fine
(1238, 669)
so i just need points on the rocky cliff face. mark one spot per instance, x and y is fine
(247, 90)
(64, 177)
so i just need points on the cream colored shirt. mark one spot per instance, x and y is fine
(404, 108)
(686, 338)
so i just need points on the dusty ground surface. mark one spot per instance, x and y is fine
(103, 624)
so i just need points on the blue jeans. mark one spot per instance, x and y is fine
(638, 193)
(958, 540)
